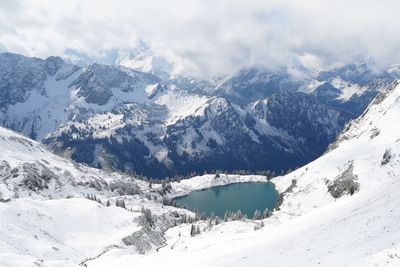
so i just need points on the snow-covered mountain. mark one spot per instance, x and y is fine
(118, 118)
(252, 84)
(140, 58)
(182, 133)
(351, 87)
(340, 210)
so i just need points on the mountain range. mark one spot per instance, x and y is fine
(146, 120)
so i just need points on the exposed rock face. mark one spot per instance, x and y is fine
(251, 84)
(98, 81)
(20, 75)
(387, 156)
(345, 184)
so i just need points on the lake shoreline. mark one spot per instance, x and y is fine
(198, 183)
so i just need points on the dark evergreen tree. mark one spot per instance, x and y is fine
(192, 230)
(266, 213)
(257, 215)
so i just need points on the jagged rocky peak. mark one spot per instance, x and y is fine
(20, 75)
(360, 72)
(98, 81)
(250, 84)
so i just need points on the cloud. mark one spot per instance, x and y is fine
(209, 37)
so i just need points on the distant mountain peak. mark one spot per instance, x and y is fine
(141, 58)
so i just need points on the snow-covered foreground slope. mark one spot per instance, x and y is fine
(360, 227)
(45, 219)
(59, 232)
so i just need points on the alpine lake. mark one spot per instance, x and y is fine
(246, 197)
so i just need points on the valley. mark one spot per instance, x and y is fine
(230, 133)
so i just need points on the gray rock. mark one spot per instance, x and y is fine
(345, 183)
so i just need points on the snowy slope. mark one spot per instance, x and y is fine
(27, 167)
(312, 227)
(45, 219)
(59, 232)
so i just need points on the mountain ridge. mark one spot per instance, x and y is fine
(176, 127)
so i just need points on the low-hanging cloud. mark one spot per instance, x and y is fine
(207, 36)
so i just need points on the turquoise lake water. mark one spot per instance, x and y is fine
(246, 197)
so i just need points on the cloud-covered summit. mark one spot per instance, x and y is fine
(209, 37)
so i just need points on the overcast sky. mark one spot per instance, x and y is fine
(209, 36)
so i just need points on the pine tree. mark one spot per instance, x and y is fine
(239, 215)
(226, 216)
(192, 230)
(266, 213)
(120, 203)
(184, 218)
(108, 204)
(257, 215)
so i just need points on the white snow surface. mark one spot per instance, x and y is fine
(59, 232)
(347, 89)
(181, 105)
